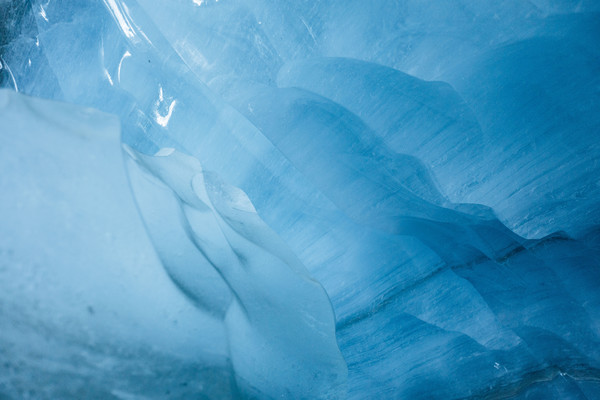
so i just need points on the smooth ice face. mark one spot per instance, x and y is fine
(279, 321)
(431, 164)
(77, 262)
(85, 302)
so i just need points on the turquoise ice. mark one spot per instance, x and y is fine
(293, 199)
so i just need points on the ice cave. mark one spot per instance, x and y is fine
(293, 199)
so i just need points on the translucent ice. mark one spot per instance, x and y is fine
(432, 165)
(85, 304)
(280, 325)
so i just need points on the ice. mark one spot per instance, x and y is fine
(421, 175)
(280, 324)
(93, 261)
(525, 180)
(85, 303)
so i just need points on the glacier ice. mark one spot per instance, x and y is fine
(86, 307)
(425, 173)
(279, 322)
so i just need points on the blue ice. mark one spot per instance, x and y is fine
(332, 199)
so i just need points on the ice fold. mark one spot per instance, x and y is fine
(85, 302)
(280, 324)
(363, 135)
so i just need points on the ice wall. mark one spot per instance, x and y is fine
(279, 321)
(86, 308)
(433, 166)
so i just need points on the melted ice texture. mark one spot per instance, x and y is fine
(324, 199)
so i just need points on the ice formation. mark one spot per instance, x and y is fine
(279, 322)
(293, 199)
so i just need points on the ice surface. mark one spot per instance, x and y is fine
(433, 166)
(280, 324)
(85, 304)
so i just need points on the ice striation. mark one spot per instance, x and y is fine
(335, 199)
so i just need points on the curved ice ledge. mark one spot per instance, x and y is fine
(279, 321)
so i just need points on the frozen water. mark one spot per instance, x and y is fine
(279, 322)
(86, 309)
(428, 171)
